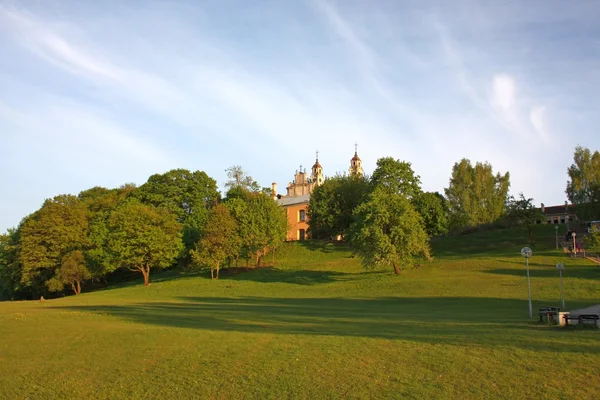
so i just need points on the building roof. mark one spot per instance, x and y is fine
(355, 158)
(290, 201)
(317, 165)
(553, 210)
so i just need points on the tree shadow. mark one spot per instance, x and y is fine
(273, 274)
(324, 246)
(549, 272)
(487, 322)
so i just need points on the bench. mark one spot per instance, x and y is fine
(548, 312)
(582, 318)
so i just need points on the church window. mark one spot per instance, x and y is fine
(302, 216)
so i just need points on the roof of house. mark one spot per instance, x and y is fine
(289, 201)
(551, 210)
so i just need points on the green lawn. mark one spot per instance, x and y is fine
(317, 326)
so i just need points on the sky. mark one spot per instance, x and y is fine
(107, 93)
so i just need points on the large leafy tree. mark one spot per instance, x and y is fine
(219, 242)
(583, 186)
(396, 177)
(332, 204)
(188, 195)
(592, 242)
(101, 202)
(261, 222)
(522, 211)
(389, 231)
(434, 211)
(144, 237)
(475, 195)
(56, 229)
(10, 266)
(73, 272)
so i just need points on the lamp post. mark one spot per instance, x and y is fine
(556, 230)
(560, 268)
(574, 244)
(526, 252)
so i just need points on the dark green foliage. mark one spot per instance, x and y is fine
(10, 266)
(59, 227)
(583, 186)
(475, 195)
(188, 195)
(72, 272)
(434, 212)
(332, 204)
(389, 231)
(219, 242)
(396, 177)
(144, 237)
(523, 212)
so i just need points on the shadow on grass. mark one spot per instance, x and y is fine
(272, 274)
(549, 272)
(324, 246)
(487, 322)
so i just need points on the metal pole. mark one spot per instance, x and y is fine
(556, 232)
(529, 290)
(562, 290)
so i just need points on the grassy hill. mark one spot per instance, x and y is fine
(317, 325)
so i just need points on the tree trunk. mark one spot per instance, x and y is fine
(78, 284)
(218, 270)
(73, 288)
(396, 269)
(146, 272)
(212, 276)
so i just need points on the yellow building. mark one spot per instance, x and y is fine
(298, 192)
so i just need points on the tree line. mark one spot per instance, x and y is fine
(175, 218)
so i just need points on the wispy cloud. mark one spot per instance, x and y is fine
(126, 92)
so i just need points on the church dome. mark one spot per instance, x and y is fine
(355, 158)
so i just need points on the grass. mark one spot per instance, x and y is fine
(317, 326)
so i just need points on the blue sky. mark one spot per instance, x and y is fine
(105, 93)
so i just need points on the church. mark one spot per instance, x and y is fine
(298, 192)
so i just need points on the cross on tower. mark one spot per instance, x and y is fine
(356, 147)
(317, 155)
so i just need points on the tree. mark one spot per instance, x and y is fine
(332, 204)
(188, 195)
(396, 177)
(237, 178)
(56, 229)
(389, 231)
(10, 267)
(583, 186)
(261, 222)
(592, 241)
(475, 195)
(219, 241)
(143, 237)
(434, 211)
(523, 212)
(72, 272)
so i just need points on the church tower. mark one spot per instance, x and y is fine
(356, 164)
(317, 172)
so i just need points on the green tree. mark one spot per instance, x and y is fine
(237, 179)
(261, 222)
(56, 229)
(219, 242)
(10, 267)
(143, 237)
(592, 241)
(434, 211)
(389, 231)
(523, 212)
(73, 272)
(396, 177)
(475, 195)
(188, 195)
(583, 186)
(332, 204)
(100, 203)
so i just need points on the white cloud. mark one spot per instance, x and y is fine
(503, 92)
(537, 119)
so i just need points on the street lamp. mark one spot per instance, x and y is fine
(574, 244)
(526, 252)
(560, 268)
(556, 230)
